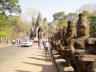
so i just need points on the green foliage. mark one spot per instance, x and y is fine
(92, 20)
(71, 17)
(12, 1)
(9, 25)
(61, 19)
(58, 15)
(72, 14)
(16, 26)
(5, 34)
(10, 6)
(62, 22)
(5, 28)
(3, 21)
(86, 13)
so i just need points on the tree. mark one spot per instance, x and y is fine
(58, 15)
(92, 20)
(10, 6)
(60, 19)
(62, 22)
(5, 27)
(72, 17)
(86, 13)
(18, 27)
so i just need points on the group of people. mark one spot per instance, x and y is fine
(47, 48)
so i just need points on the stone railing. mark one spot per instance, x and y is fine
(76, 45)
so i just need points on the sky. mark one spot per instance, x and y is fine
(49, 7)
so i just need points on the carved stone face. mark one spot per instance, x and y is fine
(71, 29)
(81, 16)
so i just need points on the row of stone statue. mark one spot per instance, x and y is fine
(79, 29)
(74, 43)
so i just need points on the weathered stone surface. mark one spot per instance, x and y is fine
(91, 45)
(71, 30)
(82, 26)
(63, 32)
(71, 46)
(74, 44)
(44, 28)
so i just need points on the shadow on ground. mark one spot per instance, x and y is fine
(21, 71)
(38, 55)
(45, 68)
(36, 58)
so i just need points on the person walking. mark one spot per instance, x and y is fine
(47, 48)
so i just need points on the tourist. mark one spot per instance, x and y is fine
(47, 48)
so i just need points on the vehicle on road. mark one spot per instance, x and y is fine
(26, 42)
(13, 42)
(36, 40)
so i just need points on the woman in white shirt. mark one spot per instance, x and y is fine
(47, 49)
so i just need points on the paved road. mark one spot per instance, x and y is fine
(24, 59)
(8, 52)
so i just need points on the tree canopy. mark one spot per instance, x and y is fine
(9, 24)
(92, 20)
(9, 6)
(58, 15)
(5, 28)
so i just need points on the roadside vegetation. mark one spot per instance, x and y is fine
(11, 26)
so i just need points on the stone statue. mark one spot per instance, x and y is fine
(71, 30)
(62, 32)
(82, 26)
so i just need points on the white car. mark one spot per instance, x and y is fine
(26, 42)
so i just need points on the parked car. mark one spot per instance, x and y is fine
(36, 40)
(13, 42)
(26, 42)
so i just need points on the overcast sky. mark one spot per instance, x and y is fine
(49, 7)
